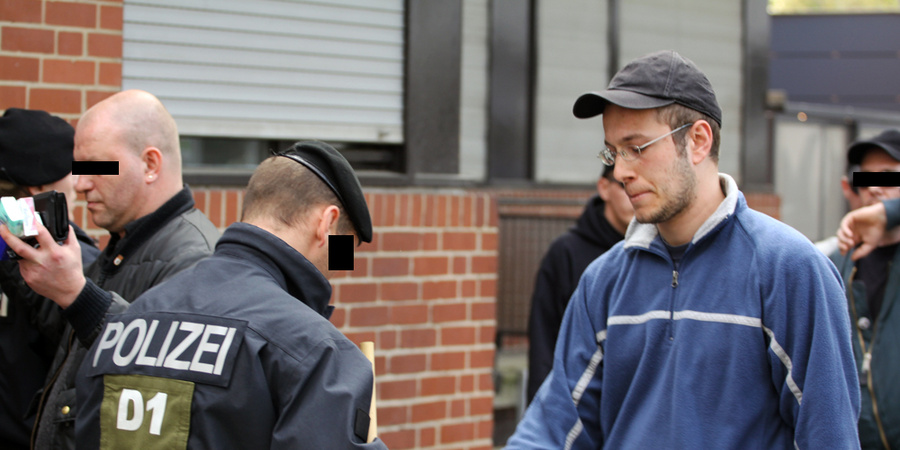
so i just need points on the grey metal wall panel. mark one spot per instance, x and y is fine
(271, 68)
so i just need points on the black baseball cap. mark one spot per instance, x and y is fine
(333, 169)
(35, 147)
(653, 81)
(888, 140)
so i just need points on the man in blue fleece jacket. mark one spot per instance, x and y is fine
(710, 325)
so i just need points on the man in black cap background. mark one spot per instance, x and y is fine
(35, 157)
(155, 232)
(873, 288)
(238, 352)
(710, 325)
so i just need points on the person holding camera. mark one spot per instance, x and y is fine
(155, 232)
(35, 157)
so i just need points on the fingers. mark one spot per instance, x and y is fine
(22, 249)
(862, 251)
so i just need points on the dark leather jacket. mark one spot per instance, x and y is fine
(154, 248)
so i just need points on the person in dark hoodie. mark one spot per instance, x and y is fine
(603, 223)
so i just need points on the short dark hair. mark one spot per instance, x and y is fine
(676, 115)
(286, 191)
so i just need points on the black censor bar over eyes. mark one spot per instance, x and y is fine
(872, 179)
(95, 167)
(340, 252)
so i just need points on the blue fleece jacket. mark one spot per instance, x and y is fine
(746, 345)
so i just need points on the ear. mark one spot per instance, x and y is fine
(34, 190)
(700, 141)
(603, 188)
(328, 219)
(153, 160)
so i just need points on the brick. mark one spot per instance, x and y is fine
(387, 340)
(338, 317)
(56, 100)
(457, 408)
(467, 383)
(111, 18)
(396, 390)
(70, 44)
(403, 207)
(484, 264)
(12, 96)
(441, 211)
(400, 440)
(468, 288)
(487, 334)
(356, 293)
(448, 312)
(409, 314)
(231, 207)
(399, 242)
(489, 241)
(479, 212)
(392, 415)
(16, 39)
(388, 210)
(359, 337)
(407, 363)
(20, 11)
(215, 207)
(457, 432)
(68, 71)
(105, 45)
(369, 316)
(467, 208)
(455, 213)
(418, 204)
(486, 382)
(460, 265)
(417, 338)
(429, 241)
(459, 241)
(429, 211)
(484, 311)
(426, 412)
(200, 199)
(458, 335)
(71, 14)
(390, 267)
(438, 289)
(493, 219)
(485, 431)
(399, 291)
(444, 385)
(448, 361)
(360, 267)
(481, 359)
(111, 74)
(94, 97)
(487, 288)
(430, 265)
(427, 437)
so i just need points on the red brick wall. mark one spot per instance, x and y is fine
(424, 291)
(59, 56)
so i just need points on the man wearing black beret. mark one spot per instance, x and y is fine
(35, 156)
(238, 352)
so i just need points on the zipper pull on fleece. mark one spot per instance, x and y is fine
(674, 278)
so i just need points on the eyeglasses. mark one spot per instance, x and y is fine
(633, 152)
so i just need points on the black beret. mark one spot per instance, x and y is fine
(35, 147)
(329, 165)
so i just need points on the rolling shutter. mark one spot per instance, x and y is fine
(271, 69)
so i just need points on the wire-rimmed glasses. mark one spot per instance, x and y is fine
(633, 152)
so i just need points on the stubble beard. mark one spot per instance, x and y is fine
(679, 201)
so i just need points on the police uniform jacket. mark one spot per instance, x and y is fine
(235, 352)
(154, 248)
